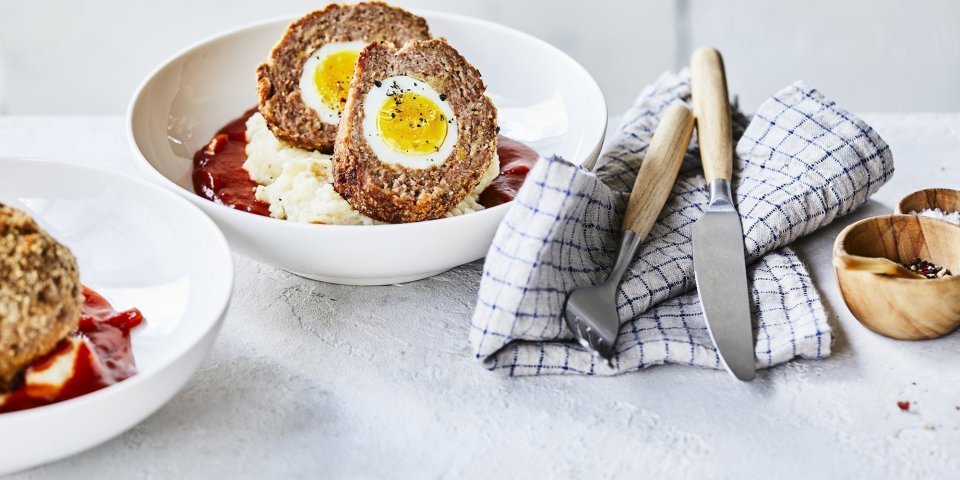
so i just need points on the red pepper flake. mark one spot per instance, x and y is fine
(904, 405)
(927, 269)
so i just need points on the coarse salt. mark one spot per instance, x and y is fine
(952, 217)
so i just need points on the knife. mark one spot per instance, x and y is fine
(718, 252)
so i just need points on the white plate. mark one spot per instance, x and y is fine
(545, 99)
(139, 246)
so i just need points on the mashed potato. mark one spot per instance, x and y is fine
(298, 184)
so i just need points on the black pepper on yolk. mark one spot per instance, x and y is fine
(332, 78)
(411, 123)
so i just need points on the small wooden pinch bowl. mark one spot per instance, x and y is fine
(903, 308)
(945, 199)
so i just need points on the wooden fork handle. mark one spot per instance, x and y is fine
(659, 169)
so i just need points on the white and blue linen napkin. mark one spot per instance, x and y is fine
(802, 161)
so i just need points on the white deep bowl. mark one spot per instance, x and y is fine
(139, 246)
(545, 99)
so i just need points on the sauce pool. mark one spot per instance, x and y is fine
(104, 356)
(516, 160)
(218, 173)
(219, 176)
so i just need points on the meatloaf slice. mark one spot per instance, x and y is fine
(278, 77)
(394, 193)
(40, 293)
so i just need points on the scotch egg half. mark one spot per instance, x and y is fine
(408, 123)
(326, 76)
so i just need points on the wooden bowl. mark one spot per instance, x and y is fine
(904, 308)
(945, 199)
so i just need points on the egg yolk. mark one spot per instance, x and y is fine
(412, 123)
(332, 78)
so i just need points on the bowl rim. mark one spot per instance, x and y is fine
(839, 242)
(899, 208)
(220, 300)
(145, 165)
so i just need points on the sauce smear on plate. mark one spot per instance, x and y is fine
(97, 356)
(219, 176)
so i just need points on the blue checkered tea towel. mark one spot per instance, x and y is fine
(802, 161)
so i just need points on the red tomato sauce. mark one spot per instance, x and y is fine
(219, 176)
(516, 160)
(104, 356)
(218, 173)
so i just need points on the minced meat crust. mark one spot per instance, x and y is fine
(396, 194)
(40, 294)
(278, 78)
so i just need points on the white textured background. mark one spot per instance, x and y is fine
(87, 57)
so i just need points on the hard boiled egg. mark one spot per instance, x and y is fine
(325, 80)
(408, 123)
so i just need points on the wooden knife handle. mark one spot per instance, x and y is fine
(711, 106)
(659, 169)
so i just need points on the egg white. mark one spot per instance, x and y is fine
(376, 96)
(308, 88)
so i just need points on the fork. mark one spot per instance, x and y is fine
(591, 312)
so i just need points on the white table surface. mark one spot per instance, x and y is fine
(309, 379)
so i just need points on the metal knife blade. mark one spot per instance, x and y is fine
(721, 275)
(718, 254)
